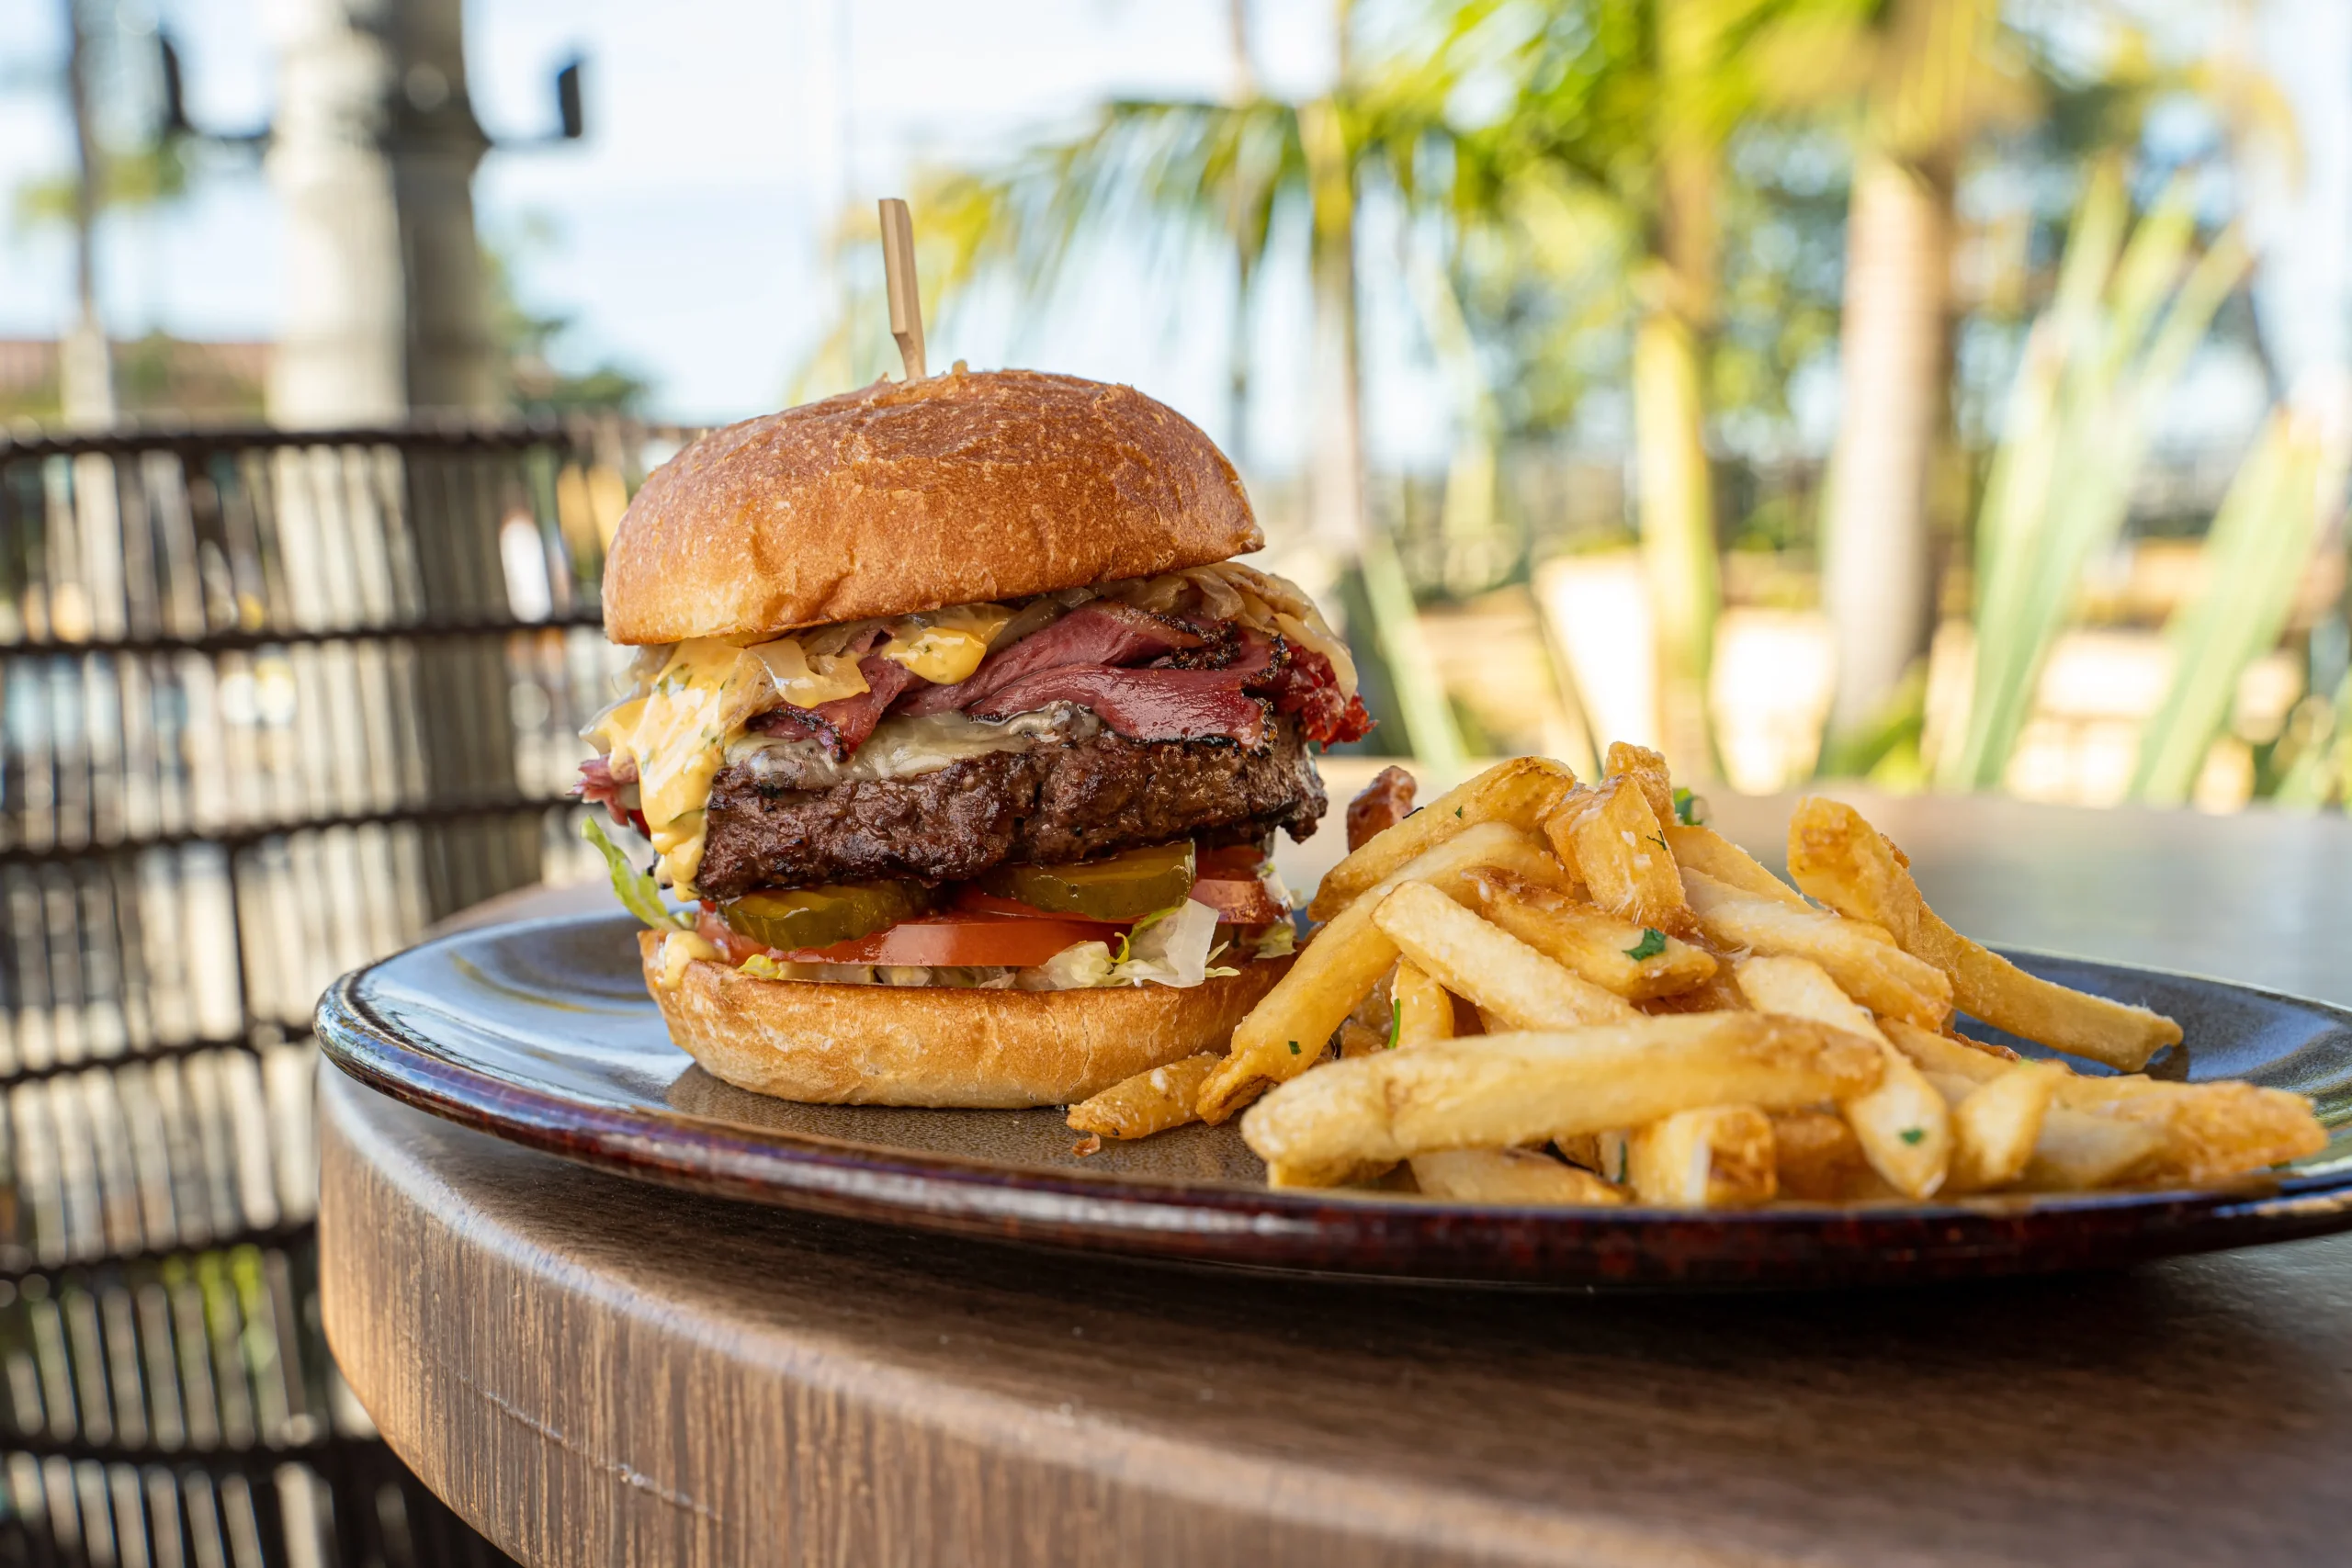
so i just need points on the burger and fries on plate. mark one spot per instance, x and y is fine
(967, 739)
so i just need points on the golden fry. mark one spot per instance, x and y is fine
(1517, 793)
(1903, 1125)
(1509, 1176)
(1971, 1059)
(2077, 1151)
(1501, 974)
(1600, 947)
(1647, 770)
(1704, 850)
(1816, 1158)
(1801, 989)
(1715, 1157)
(1609, 836)
(1717, 993)
(1424, 1007)
(1507, 1090)
(2213, 1129)
(1284, 1033)
(1603, 1154)
(1844, 862)
(1866, 966)
(1150, 1102)
(1996, 1124)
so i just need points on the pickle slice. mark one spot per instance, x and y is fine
(1122, 887)
(819, 916)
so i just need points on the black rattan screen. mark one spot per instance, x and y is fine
(270, 704)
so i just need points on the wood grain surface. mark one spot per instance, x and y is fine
(597, 1371)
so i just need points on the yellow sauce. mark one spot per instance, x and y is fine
(680, 949)
(945, 646)
(677, 734)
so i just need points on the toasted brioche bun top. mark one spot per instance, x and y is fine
(910, 496)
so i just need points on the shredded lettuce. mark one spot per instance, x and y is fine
(1172, 948)
(1278, 941)
(636, 890)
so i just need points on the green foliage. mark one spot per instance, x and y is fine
(149, 176)
(526, 342)
(2133, 303)
(2255, 556)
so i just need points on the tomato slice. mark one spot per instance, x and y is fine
(975, 938)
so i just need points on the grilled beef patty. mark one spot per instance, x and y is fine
(1062, 802)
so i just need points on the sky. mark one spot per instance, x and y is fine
(684, 236)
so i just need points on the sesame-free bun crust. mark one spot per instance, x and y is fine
(908, 496)
(937, 1046)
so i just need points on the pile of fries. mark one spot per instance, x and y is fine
(1537, 991)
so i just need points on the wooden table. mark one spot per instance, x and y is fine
(596, 1371)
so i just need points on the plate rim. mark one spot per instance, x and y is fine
(1211, 1222)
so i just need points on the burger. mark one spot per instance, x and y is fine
(959, 743)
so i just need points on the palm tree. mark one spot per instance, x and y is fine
(1632, 102)
(1186, 170)
(1923, 78)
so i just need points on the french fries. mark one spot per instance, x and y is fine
(1529, 960)
(1816, 1158)
(1152, 1101)
(1612, 841)
(1717, 1156)
(2212, 1130)
(1996, 1124)
(1518, 794)
(1424, 1007)
(1802, 988)
(1647, 770)
(1705, 850)
(1508, 979)
(1509, 1176)
(2077, 1151)
(1902, 1124)
(1860, 959)
(1600, 947)
(1505, 1090)
(1284, 1033)
(1847, 865)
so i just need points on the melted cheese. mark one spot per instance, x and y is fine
(677, 735)
(945, 646)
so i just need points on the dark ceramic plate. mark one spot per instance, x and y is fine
(542, 1034)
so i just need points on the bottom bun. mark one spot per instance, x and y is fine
(940, 1045)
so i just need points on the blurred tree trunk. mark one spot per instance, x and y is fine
(1893, 361)
(373, 152)
(1677, 499)
(436, 145)
(339, 357)
(85, 369)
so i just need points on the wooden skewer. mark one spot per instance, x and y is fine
(899, 267)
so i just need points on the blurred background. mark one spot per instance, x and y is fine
(1930, 394)
(1943, 391)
